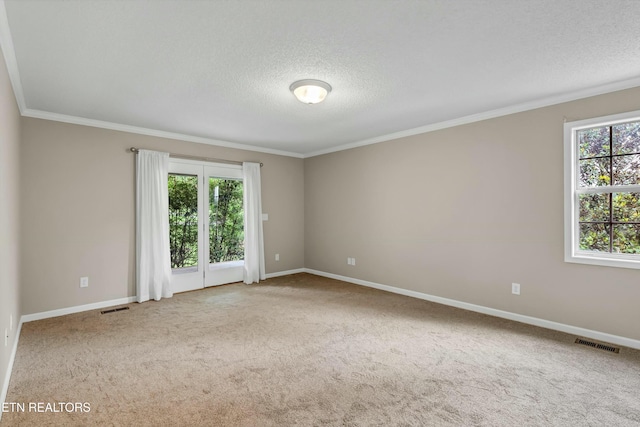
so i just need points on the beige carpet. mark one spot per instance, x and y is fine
(309, 351)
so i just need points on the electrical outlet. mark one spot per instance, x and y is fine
(515, 288)
(277, 257)
(84, 282)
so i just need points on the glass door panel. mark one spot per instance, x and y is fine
(185, 219)
(226, 220)
(225, 225)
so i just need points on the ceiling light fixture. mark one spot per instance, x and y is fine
(310, 91)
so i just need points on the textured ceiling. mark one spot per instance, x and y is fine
(219, 71)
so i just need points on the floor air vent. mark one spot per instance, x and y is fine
(113, 310)
(605, 347)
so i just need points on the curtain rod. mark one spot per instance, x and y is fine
(204, 159)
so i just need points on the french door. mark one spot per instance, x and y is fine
(206, 224)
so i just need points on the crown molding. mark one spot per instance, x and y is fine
(46, 115)
(518, 108)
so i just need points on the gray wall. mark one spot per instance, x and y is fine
(78, 207)
(463, 212)
(9, 218)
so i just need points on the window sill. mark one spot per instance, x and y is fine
(606, 260)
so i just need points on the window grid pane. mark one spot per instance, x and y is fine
(595, 237)
(626, 138)
(595, 172)
(626, 238)
(626, 169)
(594, 142)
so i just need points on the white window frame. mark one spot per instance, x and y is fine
(571, 193)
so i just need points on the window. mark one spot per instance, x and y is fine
(602, 191)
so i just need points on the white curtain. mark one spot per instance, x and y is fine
(253, 238)
(152, 226)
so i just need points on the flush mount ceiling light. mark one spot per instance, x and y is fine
(310, 91)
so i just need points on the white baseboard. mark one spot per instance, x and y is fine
(574, 330)
(77, 309)
(285, 273)
(94, 306)
(12, 358)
